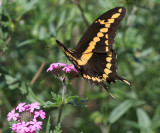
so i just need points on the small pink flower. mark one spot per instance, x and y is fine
(61, 69)
(14, 127)
(41, 113)
(27, 106)
(20, 107)
(12, 115)
(28, 120)
(36, 125)
(55, 66)
(22, 128)
(34, 106)
(66, 69)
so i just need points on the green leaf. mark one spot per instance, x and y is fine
(13, 86)
(119, 111)
(48, 125)
(143, 121)
(23, 88)
(26, 42)
(54, 96)
(50, 104)
(58, 129)
(62, 19)
(10, 79)
(11, 82)
(132, 124)
(155, 121)
(33, 98)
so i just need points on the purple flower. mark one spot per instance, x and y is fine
(14, 127)
(12, 115)
(27, 120)
(63, 70)
(20, 107)
(35, 125)
(23, 127)
(41, 113)
(34, 106)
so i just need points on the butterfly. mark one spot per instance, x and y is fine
(94, 57)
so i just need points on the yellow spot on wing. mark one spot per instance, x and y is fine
(92, 43)
(102, 22)
(107, 71)
(110, 21)
(107, 36)
(86, 56)
(108, 65)
(100, 34)
(106, 42)
(94, 79)
(104, 30)
(98, 79)
(91, 46)
(109, 53)
(116, 15)
(107, 49)
(84, 76)
(88, 77)
(105, 76)
(108, 59)
(107, 25)
(96, 39)
(120, 10)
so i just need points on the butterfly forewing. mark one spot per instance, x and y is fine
(99, 37)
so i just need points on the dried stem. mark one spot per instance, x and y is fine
(81, 10)
(37, 73)
(82, 13)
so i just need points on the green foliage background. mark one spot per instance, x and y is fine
(28, 30)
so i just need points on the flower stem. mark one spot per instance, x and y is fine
(63, 100)
(59, 114)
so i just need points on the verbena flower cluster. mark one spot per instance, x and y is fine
(63, 70)
(26, 118)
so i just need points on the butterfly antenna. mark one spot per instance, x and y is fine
(60, 56)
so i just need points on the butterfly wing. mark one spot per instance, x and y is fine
(102, 67)
(99, 37)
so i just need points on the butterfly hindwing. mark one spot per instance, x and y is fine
(101, 67)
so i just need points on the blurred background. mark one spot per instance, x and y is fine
(28, 30)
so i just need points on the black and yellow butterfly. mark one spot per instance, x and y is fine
(94, 57)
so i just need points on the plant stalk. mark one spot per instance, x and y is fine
(63, 99)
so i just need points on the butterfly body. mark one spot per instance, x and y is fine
(94, 57)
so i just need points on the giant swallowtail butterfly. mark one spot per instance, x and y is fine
(94, 57)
